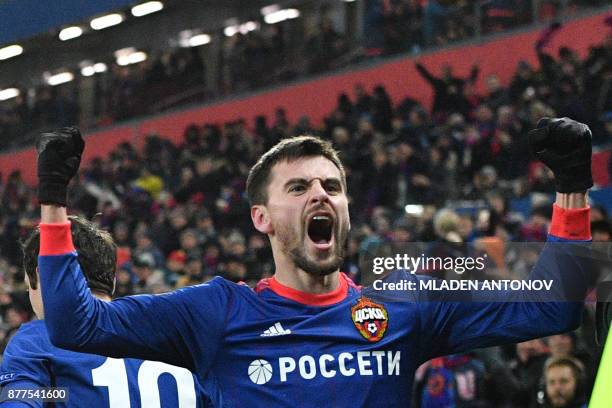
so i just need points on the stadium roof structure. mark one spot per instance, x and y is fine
(49, 38)
(30, 18)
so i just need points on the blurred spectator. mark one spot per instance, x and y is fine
(403, 26)
(150, 183)
(146, 273)
(325, 47)
(523, 79)
(124, 285)
(193, 272)
(448, 89)
(565, 345)
(146, 246)
(527, 369)
(565, 386)
(451, 381)
(536, 227)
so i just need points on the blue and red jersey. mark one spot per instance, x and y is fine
(276, 346)
(31, 362)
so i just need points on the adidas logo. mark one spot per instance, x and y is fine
(276, 330)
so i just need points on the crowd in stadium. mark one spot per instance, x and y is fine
(251, 60)
(179, 214)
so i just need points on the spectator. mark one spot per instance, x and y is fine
(194, 272)
(564, 345)
(382, 110)
(496, 93)
(564, 384)
(124, 285)
(456, 380)
(527, 369)
(522, 80)
(403, 26)
(145, 245)
(325, 47)
(146, 273)
(448, 89)
(435, 19)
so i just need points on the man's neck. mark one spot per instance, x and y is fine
(290, 275)
(298, 279)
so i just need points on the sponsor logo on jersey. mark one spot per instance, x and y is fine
(8, 376)
(276, 330)
(370, 319)
(362, 363)
(260, 371)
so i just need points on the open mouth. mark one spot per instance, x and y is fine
(320, 228)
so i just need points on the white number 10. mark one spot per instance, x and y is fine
(112, 374)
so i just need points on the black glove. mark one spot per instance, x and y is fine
(59, 156)
(564, 145)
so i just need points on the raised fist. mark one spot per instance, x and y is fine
(564, 146)
(59, 156)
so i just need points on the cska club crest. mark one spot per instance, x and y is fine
(370, 319)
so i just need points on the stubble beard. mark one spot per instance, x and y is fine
(295, 247)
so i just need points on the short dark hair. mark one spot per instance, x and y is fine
(290, 149)
(97, 255)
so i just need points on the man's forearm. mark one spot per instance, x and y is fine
(53, 214)
(571, 200)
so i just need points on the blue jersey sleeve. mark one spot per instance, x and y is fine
(505, 316)
(490, 318)
(25, 365)
(182, 328)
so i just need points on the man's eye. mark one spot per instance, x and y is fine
(296, 188)
(334, 188)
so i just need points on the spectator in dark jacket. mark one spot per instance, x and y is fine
(448, 90)
(527, 369)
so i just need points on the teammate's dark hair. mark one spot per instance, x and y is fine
(97, 255)
(289, 150)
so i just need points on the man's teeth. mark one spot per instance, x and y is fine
(321, 218)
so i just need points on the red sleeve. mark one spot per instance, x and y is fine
(55, 239)
(571, 223)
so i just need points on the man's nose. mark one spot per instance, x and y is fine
(318, 192)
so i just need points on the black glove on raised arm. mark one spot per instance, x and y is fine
(564, 145)
(59, 156)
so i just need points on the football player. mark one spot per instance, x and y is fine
(308, 336)
(32, 365)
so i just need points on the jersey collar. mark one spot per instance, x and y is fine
(325, 299)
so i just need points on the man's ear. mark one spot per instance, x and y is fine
(261, 219)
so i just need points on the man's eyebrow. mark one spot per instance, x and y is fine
(302, 180)
(295, 180)
(332, 180)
